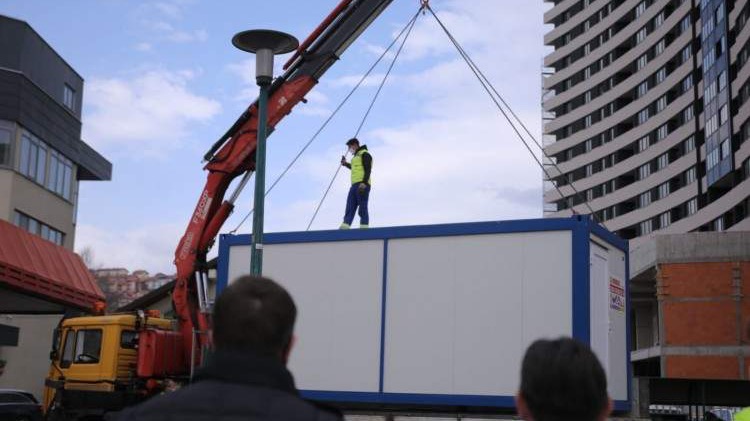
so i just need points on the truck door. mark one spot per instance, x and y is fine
(82, 362)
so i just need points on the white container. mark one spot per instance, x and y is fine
(442, 314)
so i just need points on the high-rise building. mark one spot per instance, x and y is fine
(42, 156)
(647, 114)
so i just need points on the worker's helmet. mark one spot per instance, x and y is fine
(352, 140)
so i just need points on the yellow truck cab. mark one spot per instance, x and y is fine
(93, 365)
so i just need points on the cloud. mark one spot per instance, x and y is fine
(350, 81)
(149, 247)
(148, 114)
(169, 32)
(144, 47)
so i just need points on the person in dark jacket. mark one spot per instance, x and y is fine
(359, 192)
(562, 380)
(246, 377)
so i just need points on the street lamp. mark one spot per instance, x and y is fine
(264, 44)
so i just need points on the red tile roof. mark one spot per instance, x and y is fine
(36, 266)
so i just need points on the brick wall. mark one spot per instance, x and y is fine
(705, 311)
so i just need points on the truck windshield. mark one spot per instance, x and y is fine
(82, 347)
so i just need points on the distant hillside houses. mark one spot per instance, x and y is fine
(121, 286)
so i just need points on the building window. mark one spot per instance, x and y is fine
(687, 83)
(642, 89)
(60, 174)
(719, 224)
(640, 9)
(687, 52)
(660, 46)
(39, 228)
(33, 158)
(687, 114)
(646, 227)
(661, 104)
(644, 171)
(722, 80)
(642, 61)
(69, 97)
(685, 24)
(726, 149)
(712, 159)
(690, 176)
(665, 219)
(640, 35)
(662, 161)
(719, 13)
(659, 19)
(643, 116)
(723, 114)
(692, 206)
(662, 132)
(663, 190)
(6, 140)
(712, 124)
(661, 74)
(645, 199)
(689, 144)
(643, 144)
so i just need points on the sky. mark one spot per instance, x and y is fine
(163, 82)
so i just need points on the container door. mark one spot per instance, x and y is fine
(600, 323)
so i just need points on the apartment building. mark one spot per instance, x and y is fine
(647, 114)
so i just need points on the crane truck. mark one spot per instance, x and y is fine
(103, 363)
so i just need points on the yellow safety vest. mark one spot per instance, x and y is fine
(358, 170)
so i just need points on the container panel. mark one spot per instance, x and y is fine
(337, 289)
(462, 310)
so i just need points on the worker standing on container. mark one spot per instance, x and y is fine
(359, 192)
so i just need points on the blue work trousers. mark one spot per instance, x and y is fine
(357, 199)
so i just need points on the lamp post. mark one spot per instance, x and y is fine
(264, 44)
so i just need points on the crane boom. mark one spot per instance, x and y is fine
(234, 155)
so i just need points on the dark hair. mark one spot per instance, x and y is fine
(352, 140)
(254, 314)
(562, 380)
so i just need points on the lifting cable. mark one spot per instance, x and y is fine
(489, 88)
(406, 27)
(367, 113)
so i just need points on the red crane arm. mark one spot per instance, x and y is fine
(234, 155)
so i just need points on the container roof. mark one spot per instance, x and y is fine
(34, 266)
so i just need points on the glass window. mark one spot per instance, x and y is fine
(642, 89)
(646, 227)
(33, 158)
(661, 104)
(662, 132)
(726, 149)
(665, 219)
(5, 143)
(690, 176)
(687, 83)
(69, 97)
(645, 199)
(687, 114)
(643, 116)
(68, 349)
(644, 171)
(643, 144)
(659, 19)
(722, 80)
(689, 144)
(692, 206)
(720, 13)
(660, 46)
(129, 339)
(640, 35)
(661, 74)
(640, 9)
(687, 52)
(685, 24)
(88, 346)
(723, 114)
(642, 61)
(662, 161)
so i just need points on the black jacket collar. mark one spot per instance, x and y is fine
(247, 368)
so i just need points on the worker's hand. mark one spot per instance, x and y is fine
(362, 187)
(343, 160)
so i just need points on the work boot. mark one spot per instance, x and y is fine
(344, 226)
(363, 226)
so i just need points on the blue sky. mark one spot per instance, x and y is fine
(163, 82)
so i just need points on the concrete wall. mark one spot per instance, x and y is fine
(27, 364)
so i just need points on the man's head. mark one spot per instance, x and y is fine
(353, 144)
(255, 314)
(562, 380)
